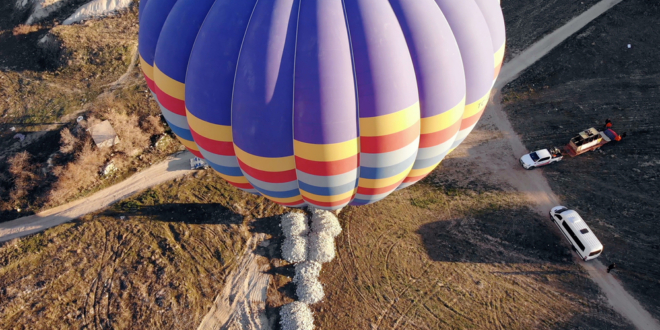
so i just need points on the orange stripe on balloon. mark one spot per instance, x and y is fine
(170, 103)
(272, 177)
(328, 204)
(327, 168)
(468, 122)
(378, 191)
(291, 204)
(439, 137)
(391, 142)
(216, 147)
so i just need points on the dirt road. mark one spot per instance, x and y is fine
(174, 167)
(533, 183)
(242, 302)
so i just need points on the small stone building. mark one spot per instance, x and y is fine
(104, 135)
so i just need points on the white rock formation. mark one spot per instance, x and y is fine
(97, 8)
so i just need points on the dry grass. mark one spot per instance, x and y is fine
(159, 268)
(454, 258)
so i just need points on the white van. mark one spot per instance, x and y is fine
(577, 232)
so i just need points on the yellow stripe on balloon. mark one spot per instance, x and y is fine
(168, 85)
(381, 183)
(390, 123)
(147, 69)
(444, 120)
(270, 164)
(284, 200)
(326, 152)
(234, 179)
(474, 108)
(333, 198)
(422, 171)
(189, 144)
(499, 55)
(209, 130)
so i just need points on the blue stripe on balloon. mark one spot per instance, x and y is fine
(327, 191)
(386, 172)
(180, 132)
(278, 194)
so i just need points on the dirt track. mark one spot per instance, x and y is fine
(170, 169)
(534, 184)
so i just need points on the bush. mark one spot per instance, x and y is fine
(296, 316)
(152, 125)
(325, 222)
(78, 175)
(24, 174)
(321, 247)
(294, 224)
(310, 291)
(294, 249)
(68, 141)
(307, 270)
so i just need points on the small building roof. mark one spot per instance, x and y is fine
(104, 135)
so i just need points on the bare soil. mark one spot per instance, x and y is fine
(590, 77)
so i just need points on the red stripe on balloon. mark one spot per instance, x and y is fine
(170, 103)
(195, 152)
(378, 191)
(497, 70)
(272, 177)
(467, 122)
(150, 83)
(439, 137)
(217, 147)
(327, 168)
(328, 204)
(240, 185)
(414, 178)
(292, 203)
(391, 142)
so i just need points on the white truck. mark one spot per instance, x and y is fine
(541, 158)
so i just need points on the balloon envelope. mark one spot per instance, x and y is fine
(321, 102)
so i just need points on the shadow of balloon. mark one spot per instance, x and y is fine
(191, 213)
(494, 236)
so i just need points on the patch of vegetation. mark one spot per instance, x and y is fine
(153, 261)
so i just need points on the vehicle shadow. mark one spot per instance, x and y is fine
(494, 236)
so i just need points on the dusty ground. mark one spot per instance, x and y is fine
(590, 77)
(527, 21)
(158, 268)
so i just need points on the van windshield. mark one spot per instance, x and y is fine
(595, 253)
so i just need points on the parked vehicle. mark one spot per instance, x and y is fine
(590, 139)
(541, 158)
(197, 163)
(576, 231)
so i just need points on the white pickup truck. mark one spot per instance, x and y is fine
(540, 158)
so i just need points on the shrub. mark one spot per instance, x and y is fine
(321, 247)
(294, 224)
(296, 316)
(67, 141)
(24, 175)
(294, 249)
(325, 222)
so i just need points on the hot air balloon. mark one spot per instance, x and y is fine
(321, 102)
